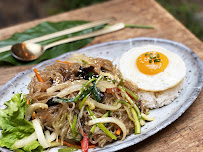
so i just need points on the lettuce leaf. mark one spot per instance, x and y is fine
(43, 29)
(14, 126)
(33, 147)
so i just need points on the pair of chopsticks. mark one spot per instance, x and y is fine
(106, 30)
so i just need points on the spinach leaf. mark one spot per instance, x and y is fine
(43, 29)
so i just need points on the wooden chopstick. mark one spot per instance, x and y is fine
(109, 29)
(64, 32)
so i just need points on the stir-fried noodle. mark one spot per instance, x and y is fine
(78, 92)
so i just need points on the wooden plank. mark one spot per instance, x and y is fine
(185, 134)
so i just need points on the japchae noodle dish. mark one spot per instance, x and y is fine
(82, 102)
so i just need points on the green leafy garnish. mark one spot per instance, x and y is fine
(151, 56)
(14, 126)
(157, 60)
(43, 29)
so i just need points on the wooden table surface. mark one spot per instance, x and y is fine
(186, 133)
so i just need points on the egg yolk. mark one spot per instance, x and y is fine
(151, 63)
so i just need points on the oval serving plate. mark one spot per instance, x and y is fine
(193, 83)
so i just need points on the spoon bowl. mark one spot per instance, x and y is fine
(27, 51)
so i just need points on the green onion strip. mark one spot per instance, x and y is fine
(83, 88)
(83, 101)
(137, 121)
(131, 93)
(94, 127)
(74, 125)
(71, 125)
(100, 125)
(130, 101)
(128, 112)
(147, 118)
(99, 78)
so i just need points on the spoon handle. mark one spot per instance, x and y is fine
(106, 30)
(63, 32)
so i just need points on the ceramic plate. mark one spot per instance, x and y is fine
(112, 50)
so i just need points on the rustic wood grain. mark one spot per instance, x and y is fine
(185, 134)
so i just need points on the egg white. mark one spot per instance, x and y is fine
(170, 77)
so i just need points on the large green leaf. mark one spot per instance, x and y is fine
(43, 29)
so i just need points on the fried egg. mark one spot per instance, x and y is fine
(152, 68)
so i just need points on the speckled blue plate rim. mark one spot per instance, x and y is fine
(165, 123)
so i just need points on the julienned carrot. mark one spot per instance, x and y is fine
(64, 62)
(118, 132)
(33, 115)
(71, 145)
(28, 102)
(91, 146)
(38, 75)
